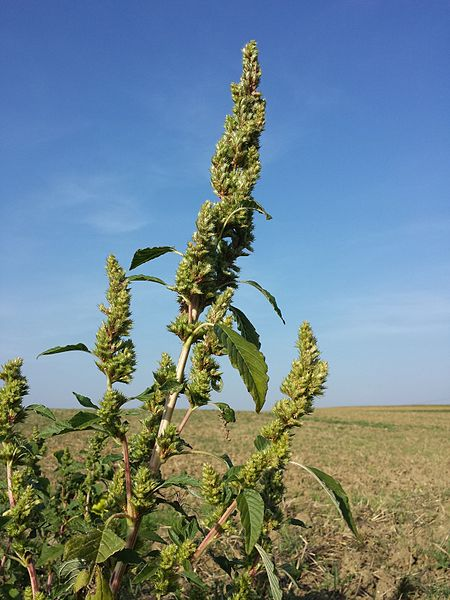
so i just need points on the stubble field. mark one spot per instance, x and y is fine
(394, 463)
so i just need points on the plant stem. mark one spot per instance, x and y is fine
(215, 531)
(171, 401)
(128, 485)
(33, 577)
(120, 568)
(186, 418)
(12, 501)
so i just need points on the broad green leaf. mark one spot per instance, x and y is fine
(146, 573)
(69, 571)
(182, 480)
(248, 360)
(81, 580)
(110, 543)
(335, 491)
(69, 348)
(246, 327)
(251, 509)
(146, 278)
(228, 414)
(85, 401)
(261, 443)
(171, 386)
(83, 420)
(57, 428)
(274, 583)
(102, 589)
(95, 546)
(143, 255)
(268, 296)
(49, 554)
(42, 410)
(128, 556)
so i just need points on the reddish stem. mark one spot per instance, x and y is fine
(215, 531)
(12, 501)
(33, 577)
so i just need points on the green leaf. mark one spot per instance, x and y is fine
(70, 570)
(69, 348)
(261, 443)
(81, 580)
(102, 589)
(267, 295)
(57, 428)
(257, 206)
(128, 556)
(146, 573)
(146, 278)
(42, 410)
(246, 327)
(274, 583)
(335, 491)
(49, 554)
(227, 413)
(251, 509)
(248, 360)
(143, 255)
(83, 420)
(95, 546)
(85, 401)
(182, 480)
(296, 522)
(192, 576)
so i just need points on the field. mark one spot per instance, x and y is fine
(394, 464)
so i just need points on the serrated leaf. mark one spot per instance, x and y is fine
(42, 410)
(85, 401)
(248, 360)
(69, 348)
(245, 327)
(274, 583)
(143, 255)
(261, 443)
(49, 554)
(266, 295)
(228, 414)
(251, 510)
(146, 278)
(337, 494)
(83, 420)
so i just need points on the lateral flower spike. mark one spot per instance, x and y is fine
(11, 396)
(225, 228)
(305, 381)
(116, 354)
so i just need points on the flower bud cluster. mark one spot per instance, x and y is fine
(171, 561)
(225, 229)
(144, 485)
(170, 443)
(11, 396)
(116, 355)
(212, 487)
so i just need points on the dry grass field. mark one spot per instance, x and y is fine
(394, 464)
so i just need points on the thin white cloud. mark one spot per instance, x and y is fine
(96, 202)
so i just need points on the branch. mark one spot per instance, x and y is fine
(215, 531)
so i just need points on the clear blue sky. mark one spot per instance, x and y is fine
(109, 112)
